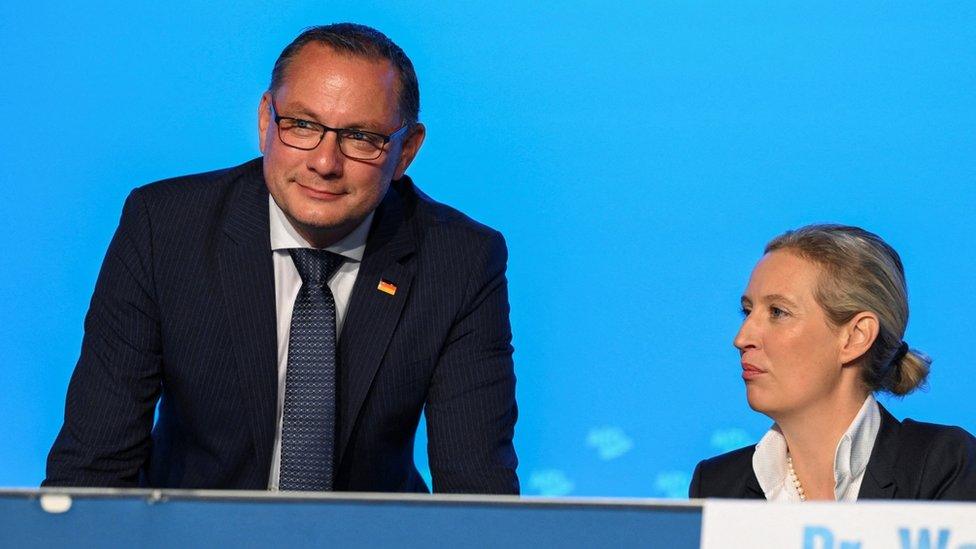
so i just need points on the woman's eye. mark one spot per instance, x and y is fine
(776, 312)
(745, 312)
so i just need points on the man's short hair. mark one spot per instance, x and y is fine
(362, 41)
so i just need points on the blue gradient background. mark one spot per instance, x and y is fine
(637, 158)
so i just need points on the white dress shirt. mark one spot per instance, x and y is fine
(287, 284)
(850, 458)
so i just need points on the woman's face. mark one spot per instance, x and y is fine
(790, 352)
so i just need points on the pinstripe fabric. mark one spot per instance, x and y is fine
(184, 310)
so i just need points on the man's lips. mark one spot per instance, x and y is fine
(320, 194)
(750, 372)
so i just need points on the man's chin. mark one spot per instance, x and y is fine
(324, 231)
(321, 219)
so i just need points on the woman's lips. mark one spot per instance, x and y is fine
(750, 372)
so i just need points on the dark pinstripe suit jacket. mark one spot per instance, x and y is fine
(184, 312)
(910, 460)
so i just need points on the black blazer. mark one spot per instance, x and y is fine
(910, 460)
(184, 313)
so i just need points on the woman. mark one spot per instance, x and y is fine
(825, 311)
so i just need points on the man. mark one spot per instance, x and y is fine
(294, 315)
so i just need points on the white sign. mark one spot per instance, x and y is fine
(825, 525)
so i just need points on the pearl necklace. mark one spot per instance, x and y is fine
(794, 479)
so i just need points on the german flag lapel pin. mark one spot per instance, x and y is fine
(386, 287)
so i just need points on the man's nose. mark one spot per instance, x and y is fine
(326, 159)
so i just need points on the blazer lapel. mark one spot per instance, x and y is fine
(247, 283)
(374, 313)
(879, 476)
(753, 490)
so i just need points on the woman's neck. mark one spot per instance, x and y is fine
(812, 435)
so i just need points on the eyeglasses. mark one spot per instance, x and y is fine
(355, 144)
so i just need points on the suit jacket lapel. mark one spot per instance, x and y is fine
(753, 490)
(373, 314)
(879, 476)
(247, 282)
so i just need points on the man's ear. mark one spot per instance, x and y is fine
(411, 145)
(857, 336)
(264, 118)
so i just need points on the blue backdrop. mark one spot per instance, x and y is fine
(637, 159)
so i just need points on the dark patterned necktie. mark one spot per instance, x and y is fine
(309, 417)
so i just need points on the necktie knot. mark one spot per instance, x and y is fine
(315, 266)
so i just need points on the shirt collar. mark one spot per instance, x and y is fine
(850, 458)
(769, 462)
(854, 448)
(284, 235)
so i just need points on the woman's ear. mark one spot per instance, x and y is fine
(857, 336)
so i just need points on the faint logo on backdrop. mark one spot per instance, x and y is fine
(726, 440)
(550, 482)
(672, 484)
(610, 442)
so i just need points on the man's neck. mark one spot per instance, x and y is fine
(321, 238)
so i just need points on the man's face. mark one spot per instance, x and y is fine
(325, 194)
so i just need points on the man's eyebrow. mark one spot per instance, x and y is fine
(300, 110)
(371, 127)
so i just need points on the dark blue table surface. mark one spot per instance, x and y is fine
(144, 518)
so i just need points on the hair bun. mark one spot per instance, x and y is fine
(909, 369)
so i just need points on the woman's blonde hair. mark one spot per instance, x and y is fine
(861, 272)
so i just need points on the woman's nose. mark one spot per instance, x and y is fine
(746, 337)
